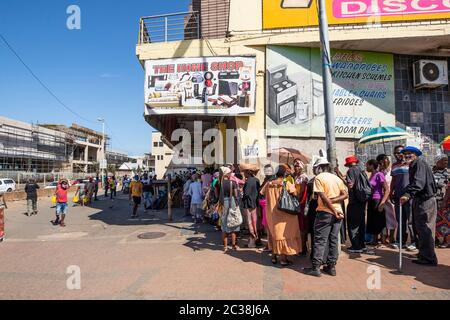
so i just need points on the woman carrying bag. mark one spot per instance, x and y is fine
(231, 218)
(283, 226)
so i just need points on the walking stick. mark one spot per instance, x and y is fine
(400, 238)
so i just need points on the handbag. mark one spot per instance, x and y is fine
(288, 203)
(234, 217)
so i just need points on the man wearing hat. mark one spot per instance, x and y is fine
(331, 192)
(356, 209)
(422, 190)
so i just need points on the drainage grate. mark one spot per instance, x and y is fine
(151, 235)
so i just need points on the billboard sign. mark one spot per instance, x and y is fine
(363, 92)
(287, 14)
(207, 86)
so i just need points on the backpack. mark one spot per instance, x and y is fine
(362, 189)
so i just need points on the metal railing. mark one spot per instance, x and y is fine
(170, 27)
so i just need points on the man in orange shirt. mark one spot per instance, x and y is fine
(331, 192)
(136, 188)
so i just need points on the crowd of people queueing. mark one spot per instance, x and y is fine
(365, 201)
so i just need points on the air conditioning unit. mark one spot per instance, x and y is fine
(430, 73)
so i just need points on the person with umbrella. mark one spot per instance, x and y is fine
(422, 190)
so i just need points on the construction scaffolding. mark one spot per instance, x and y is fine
(31, 148)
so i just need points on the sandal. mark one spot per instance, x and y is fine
(274, 259)
(62, 224)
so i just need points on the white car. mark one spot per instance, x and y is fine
(7, 185)
(52, 185)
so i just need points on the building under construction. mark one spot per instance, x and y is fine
(31, 148)
(49, 148)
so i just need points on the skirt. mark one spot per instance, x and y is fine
(2, 223)
(223, 218)
(263, 204)
(376, 221)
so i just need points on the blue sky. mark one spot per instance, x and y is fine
(94, 70)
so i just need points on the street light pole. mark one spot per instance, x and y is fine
(330, 119)
(103, 148)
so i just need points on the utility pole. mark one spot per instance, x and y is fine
(330, 132)
(103, 150)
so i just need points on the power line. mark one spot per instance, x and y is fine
(42, 83)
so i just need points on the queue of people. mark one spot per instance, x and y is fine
(367, 199)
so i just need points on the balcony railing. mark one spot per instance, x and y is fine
(170, 27)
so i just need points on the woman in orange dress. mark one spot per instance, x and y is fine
(283, 227)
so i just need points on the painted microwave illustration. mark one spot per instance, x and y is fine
(282, 95)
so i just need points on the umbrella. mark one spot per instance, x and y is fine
(286, 154)
(446, 144)
(382, 135)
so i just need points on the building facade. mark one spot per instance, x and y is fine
(88, 149)
(390, 68)
(30, 148)
(161, 155)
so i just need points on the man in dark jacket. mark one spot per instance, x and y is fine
(422, 190)
(31, 189)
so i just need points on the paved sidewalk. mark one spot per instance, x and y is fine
(184, 262)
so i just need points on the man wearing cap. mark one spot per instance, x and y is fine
(356, 209)
(422, 190)
(331, 192)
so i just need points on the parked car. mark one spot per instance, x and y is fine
(52, 185)
(7, 185)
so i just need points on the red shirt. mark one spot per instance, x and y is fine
(61, 194)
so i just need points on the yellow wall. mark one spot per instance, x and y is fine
(274, 16)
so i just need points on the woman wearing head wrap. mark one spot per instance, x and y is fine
(284, 228)
(442, 177)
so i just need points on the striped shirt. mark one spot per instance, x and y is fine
(400, 175)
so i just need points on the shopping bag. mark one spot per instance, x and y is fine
(86, 200)
(54, 200)
(76, 199)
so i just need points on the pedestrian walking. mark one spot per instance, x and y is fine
(113, 187)
(228, 201)
(147, 188)
(31, 189)
(196, 193)
(80, 194)
(90, 189)
(62, 207)
(250, 204)
(442, 178)
(331, 192)
(96, 182)
(359, 192)
(376, 217)
(400, 180)
(106, 185)
(422, 190)
(136, 189)
(283, 227)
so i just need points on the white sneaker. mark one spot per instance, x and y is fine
(395, 246)
(411, 247)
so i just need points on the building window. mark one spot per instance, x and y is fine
(161, 144)
(162, 157)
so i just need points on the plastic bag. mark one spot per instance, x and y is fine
(54, 200)
(76, 199)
